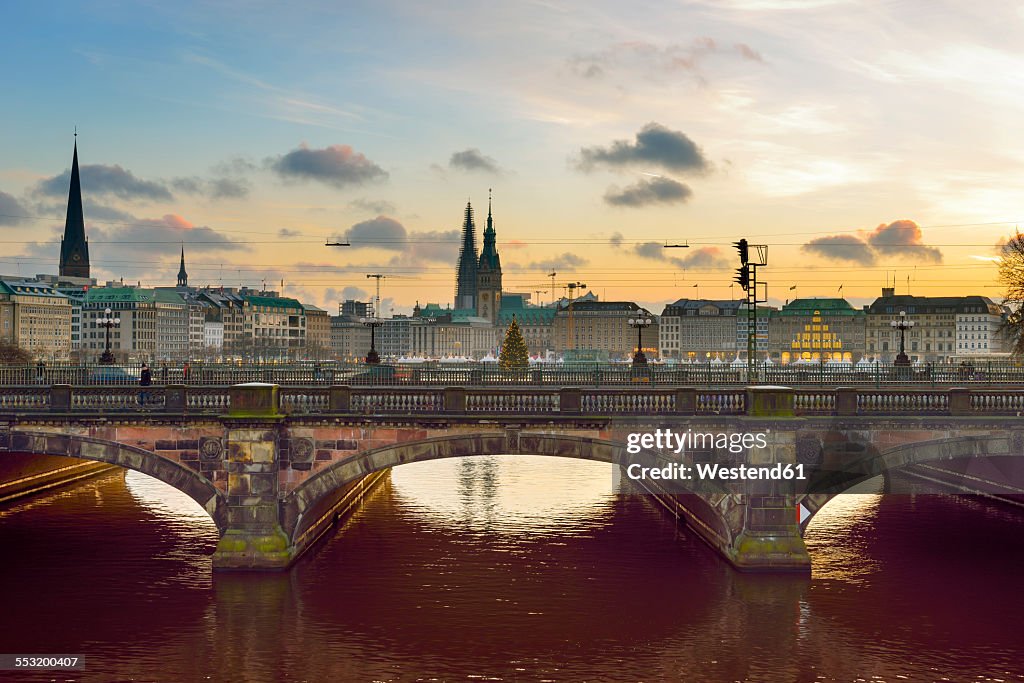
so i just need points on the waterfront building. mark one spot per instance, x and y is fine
(213, 339)
(350, 339)
(700, 329)
(355, 309)
(817, 328)
(36, 317)
(765, 317)
(275, 327)
(134, 339)
(535, 322)
(602, 326)
(945, 328)
(172, 326)
(437, 332)
(318, 332)
(394, 337)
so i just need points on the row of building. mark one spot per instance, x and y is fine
(61, 317)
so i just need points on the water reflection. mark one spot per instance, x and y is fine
(512, 568)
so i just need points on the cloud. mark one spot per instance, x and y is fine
(285, 233)
(11, 210)
(704, 257)
(616, 239)
(635, 60)
(218, 188)
(383, 232)
(377, 206)
(565, 261)
(146, 249)
(849, 248)
(380, 232)
(655, 145)
(473, 160)
(106, 180)
(355, 293)
(903, 237)
(647, 192)
(337, 165)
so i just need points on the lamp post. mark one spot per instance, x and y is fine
(108, 320)
(902, 325)
(373, 323)
(640, 323)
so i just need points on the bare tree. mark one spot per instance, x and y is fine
(12, 354)
(1011, 276)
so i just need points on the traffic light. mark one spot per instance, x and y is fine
(743, 276)
(741, 247)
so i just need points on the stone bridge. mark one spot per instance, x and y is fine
(275, 468)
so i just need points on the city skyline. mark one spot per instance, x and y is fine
(862, 144)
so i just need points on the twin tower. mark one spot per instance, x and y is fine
(478, 283)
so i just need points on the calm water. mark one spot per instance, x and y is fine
(512, 568)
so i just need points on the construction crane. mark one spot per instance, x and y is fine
(572, 287)
(376, 306)
(552, 275)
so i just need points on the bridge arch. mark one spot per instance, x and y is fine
(302, 507)
(882, 462)
(191, 483)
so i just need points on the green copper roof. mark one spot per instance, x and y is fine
(108, 295)
(273, 301)
(829, 307)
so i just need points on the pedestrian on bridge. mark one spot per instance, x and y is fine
(145, 380)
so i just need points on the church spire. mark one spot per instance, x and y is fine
(182, 275)
(74, 248)
(465, 284)
(489, 254)
(488, 273)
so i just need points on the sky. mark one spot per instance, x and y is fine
(863, 142)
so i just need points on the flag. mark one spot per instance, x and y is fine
(792, 288)
(840, 289)
(695, 285)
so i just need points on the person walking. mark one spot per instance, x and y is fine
(145, 380)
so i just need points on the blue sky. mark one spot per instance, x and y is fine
(861, 140)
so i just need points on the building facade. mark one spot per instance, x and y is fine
(35, 317)
(817, 328)
(700, 329)
(946, 329)
(603, 326)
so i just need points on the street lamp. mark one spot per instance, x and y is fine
(373, 323)
(640, 323)
(108, 321)
(902, 325)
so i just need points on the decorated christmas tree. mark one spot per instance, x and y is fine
(513, 351)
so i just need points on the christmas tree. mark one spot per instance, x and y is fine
(513, 351)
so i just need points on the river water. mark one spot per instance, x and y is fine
(511, 568)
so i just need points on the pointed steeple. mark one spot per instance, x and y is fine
(182, 275)
(465, 283)
(74, 248)
(488, 273)
(489, 256)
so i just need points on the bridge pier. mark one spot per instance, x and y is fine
(253, 538)
(770, 537)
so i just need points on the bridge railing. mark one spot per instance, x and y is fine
(525, 400)
(549, 375)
